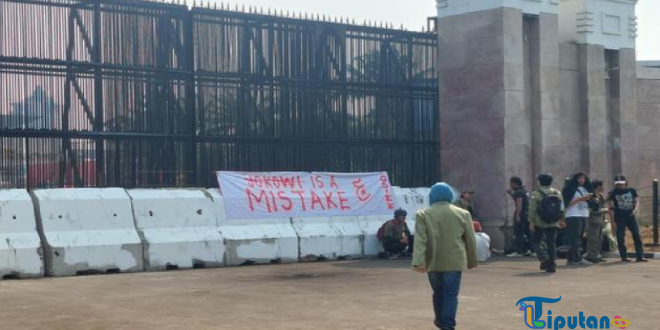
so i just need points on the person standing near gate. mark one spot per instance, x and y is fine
(445, 246)
(596, 223)
(577, 193)
(624, 203)
(546, 211)
(466, 202)
(521, 231)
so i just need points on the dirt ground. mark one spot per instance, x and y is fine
(367, 294)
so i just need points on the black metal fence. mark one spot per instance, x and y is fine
(145, 94)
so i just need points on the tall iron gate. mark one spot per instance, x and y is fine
(145, 94)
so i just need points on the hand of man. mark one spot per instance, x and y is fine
(532, 228)
(562, 224)
(419, 269)
(404, 240)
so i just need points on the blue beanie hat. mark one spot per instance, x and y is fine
(441, 192)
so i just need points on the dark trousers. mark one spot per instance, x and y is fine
(545, 243)
(395, 246)
(446, 286)
(575, 229)
(630, 222)
(595, 239)
(522, 235)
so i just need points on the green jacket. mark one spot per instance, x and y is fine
(444, 239)
(534, 217)
(596, 214)
(394, 231)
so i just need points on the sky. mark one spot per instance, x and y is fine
(413, 13)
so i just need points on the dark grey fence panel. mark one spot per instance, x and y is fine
(145, 94)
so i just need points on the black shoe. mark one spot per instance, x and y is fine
(544, 265)
(601, 260)
(437, 324)
(625, 260)
(552, 267)
(642, 260)
(592, 260)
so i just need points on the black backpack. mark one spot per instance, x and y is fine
(550, 207)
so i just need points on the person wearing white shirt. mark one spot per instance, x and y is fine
(577, 194)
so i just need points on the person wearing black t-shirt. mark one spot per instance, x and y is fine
(624, 203)
(521, 231)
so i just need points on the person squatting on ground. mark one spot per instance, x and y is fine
(624, 203)
(597, 212)
(546, 211)
(483, 242)
(521, 231)
(444, 248)
(395, 235)
(576, 194)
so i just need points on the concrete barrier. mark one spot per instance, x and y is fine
(330, 238)
(255, 241)
(369, 226)
(88, 231)
(179, 228)
(20, 245)
(351, 237)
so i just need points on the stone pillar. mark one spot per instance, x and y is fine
(485, 125)
(628, 146)
(597, 159)
(605, 31)
(550, 149)
(505, 111)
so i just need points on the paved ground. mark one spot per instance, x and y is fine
(370, 295)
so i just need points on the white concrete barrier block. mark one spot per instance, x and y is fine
(317, 238)
(328, 238)
(258, 241)
(20, 245)
(369, 226)
(351, 235)
(88, 231)
(178, 227)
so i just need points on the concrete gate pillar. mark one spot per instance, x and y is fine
(498, 75)
(531, 86)
(605, 32)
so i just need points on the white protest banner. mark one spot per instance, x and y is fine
(299, 194)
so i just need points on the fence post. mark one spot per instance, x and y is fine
(195, 177)
(656, 234)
